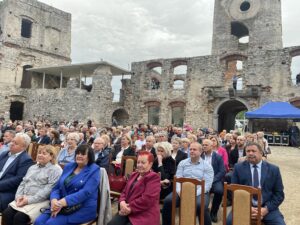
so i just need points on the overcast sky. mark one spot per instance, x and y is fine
(122, 32)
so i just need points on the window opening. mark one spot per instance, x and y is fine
(153, 115)
(245, 6)
(178, 84)
(295, 70)
(180, 70)
(26, 28)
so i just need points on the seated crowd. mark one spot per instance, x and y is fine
(61, 187)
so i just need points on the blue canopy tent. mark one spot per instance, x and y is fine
(276, 117)
(274, 110)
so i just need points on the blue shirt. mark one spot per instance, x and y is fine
(4, 148)
(200, 171)
(64, 158)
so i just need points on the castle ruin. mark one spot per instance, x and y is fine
(246, 47)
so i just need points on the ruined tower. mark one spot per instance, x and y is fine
(32, 34)
(246, 46)
(246, 25)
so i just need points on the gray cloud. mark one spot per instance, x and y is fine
(125, 31)
(122, 32)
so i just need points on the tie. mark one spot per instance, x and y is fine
(255, 180)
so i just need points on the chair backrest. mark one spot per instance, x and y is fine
(241, 204)
(57, 149)
(128, 165)
(188, 201)
(33, 150)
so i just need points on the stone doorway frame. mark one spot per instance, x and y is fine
(215, 121)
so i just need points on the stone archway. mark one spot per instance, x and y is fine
(120, 117)
(226, 113)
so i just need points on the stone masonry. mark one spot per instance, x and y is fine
(246, 43)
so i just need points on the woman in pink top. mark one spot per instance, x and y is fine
(220, 150)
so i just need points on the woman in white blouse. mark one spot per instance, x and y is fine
(126, 149)
(33, 192)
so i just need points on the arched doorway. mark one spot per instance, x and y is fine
(16, 110)
(227, 112)
(120, 117)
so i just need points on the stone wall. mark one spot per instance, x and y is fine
(207, 97)
(49, 44)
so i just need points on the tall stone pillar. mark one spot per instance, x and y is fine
(102, 96)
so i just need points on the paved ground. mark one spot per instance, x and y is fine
(288, 159)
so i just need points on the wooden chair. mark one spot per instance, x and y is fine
(33, 150)
(128, 165)
(188, 201)
(57, 149)
(241, 204)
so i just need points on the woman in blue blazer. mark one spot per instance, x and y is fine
(74, 198)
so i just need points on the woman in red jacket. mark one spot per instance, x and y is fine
(139, 201)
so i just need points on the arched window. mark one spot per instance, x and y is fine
(155, 67)
(180, 70)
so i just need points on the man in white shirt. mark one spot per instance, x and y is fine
(197, 168)
(140, 142)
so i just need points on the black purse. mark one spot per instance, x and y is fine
(69, 209)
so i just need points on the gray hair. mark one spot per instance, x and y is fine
(25, 138)
(74, 135)
(11, 132)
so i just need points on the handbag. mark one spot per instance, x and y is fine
(69, 209)
(117, 182)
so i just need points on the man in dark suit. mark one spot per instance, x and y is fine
(101, 155)
(238, 152)
(13, 167)
(81, 139)
(217, 163)
(258, 173)
(43, 138)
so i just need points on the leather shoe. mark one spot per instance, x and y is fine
(214, 217)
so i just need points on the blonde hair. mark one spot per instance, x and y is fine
(166, 146)
(185, 140)
(127, 136)
(192, 137)
(51, 150)
(177, 139)
(106, 139)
